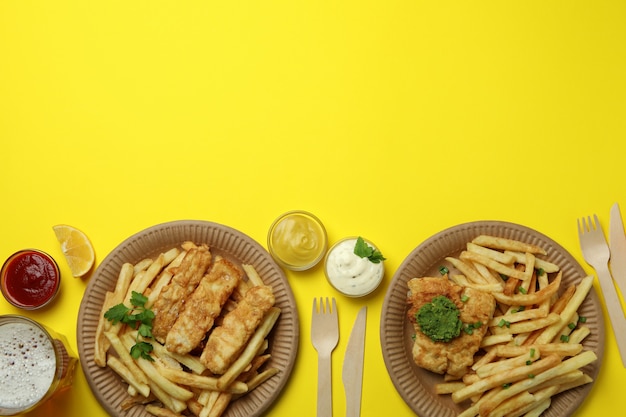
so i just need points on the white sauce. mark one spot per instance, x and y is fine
(351, 274)
(27, 365)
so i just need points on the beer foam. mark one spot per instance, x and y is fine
(27, 365)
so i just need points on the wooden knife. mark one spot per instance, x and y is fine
(352, 375)
(617, 242)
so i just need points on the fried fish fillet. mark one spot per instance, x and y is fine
(171, 301)
(226, 342)
(456, 356)
(203, 306)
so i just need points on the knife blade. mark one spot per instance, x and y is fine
(617, 243)
(352, 374)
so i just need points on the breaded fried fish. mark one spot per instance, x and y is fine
(456, 355)
(171, 301)
(226, 342)
(203, 306)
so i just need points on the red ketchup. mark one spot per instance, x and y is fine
(30, 279)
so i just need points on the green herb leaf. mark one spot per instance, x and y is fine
(363, 250)
(139, 318)
(138, 299)
(117, 313)
(142, 349)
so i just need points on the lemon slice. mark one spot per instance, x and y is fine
(76, 247)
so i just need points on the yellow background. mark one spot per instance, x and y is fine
(387, 119)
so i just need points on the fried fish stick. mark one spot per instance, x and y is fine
(226, 342)
(171, 301)
(203, 306)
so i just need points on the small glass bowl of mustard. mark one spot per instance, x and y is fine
(297, 240)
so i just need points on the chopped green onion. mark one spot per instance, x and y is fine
(464, 298)
(532, 352)
(504, 277)
(564, 338)
(522, 290)
(507, 385)
(582, 319)
(443, 270)
(572, 326)
(529, 362)
(531, 376)
(540, 272)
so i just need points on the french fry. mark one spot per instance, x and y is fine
(155, 377)
(531, 325)
(582, 289)
(125, 357)
(163, 279)
(251, 349)
(507, 364)
(568, 365)
(534, 313)
(467, 269)
(503, 269)
(495, 339)
(501, 257)
(101, 343)
(448, 387)
(122, 370)
(168, 401)
(520, 400)
(191, 362)
(512, 375)
(530, 299)
(160, 411)
(261, 377)
(520, 257)
(507, 244)
(198, 381)
(538, 397)
(252, 274)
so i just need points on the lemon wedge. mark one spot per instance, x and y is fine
(76, 247)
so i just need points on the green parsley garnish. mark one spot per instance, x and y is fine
(363, 250)
(139, 318)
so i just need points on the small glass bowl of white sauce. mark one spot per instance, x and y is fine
(350, 274)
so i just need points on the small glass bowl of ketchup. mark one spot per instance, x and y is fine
(30, 279)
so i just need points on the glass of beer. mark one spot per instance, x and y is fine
(36, 364)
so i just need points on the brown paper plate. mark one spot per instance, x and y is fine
(415, 385)
(232, 244)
